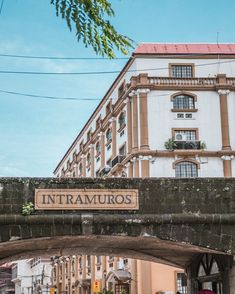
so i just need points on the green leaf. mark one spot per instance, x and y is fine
(88, 19)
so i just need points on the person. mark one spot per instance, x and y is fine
(177, 292)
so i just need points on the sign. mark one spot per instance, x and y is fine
(96, 286)
(89, 199)
(52, 290)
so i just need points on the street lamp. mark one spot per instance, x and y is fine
(105, 276)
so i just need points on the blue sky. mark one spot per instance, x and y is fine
(35, 133)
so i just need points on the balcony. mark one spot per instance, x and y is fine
(117, 159)
(104, 171)
(187, 145)
(170, 81)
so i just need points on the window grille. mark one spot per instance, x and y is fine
(181, 71)
(190, 135)
(183, 102)
(108, 135)
(181, 283)
(186, 169)
(122, 120)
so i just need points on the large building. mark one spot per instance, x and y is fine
(169, 113)
(32, 275)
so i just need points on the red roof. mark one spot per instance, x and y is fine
(155, 48)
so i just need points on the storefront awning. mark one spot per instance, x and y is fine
(120, 276)
(85, 282)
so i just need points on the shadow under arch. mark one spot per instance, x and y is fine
(143, 247)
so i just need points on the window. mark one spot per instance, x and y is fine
(81, 146)
(109, 162)
(108, 136)
(80, 168)
(98, 259)
(80, 262)
(98, 148)
(89, 135)
(121, 90)
(181, 71)
(181, 283)
(88, 159)
(125, 261)
(186, 169)
(108, 108)
(208, 266)
(122, 150)
(183, 102)
(185, 135)
(188, 115)
(122, 120)
(98, 122)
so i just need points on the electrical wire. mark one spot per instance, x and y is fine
(64, 98)
(62, 58)
(48, 97)
(84, 58)
(104, 72)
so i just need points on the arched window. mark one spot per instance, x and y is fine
(109, 135)
(183, 102)
(208, 266)
(80, 168)
(122, 120)
(88, 159)
(98, 148)
(186, 169)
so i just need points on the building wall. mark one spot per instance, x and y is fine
(209, 167)
(152, 159)
(206, 119)
(204, 67)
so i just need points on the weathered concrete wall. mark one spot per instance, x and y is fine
(177, 217)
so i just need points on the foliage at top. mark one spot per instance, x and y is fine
(88, 18)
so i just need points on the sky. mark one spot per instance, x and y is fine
(35, 133)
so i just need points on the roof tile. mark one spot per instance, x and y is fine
(155, 48)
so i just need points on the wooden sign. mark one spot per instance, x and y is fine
(86, 199)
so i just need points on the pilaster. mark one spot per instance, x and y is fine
(143, 118)
(129, 125)
(114, 139)
(135, 131)
(227, 167)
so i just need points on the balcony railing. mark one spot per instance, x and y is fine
(104, 171)
(117, 159)
(161, 81)
(187, 145)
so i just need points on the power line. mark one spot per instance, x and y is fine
(64, 98)
(48, 97)
(103, 72)
(87, 58)
(62, 58)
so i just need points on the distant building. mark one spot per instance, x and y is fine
(6, 285)
(169, 113)
(32, 275)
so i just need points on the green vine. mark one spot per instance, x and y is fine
(27, 208)
(170, 144)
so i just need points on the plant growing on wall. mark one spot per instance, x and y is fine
(27, 208)
(202, 145)
(170, 144)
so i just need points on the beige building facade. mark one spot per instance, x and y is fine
(169, 113)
